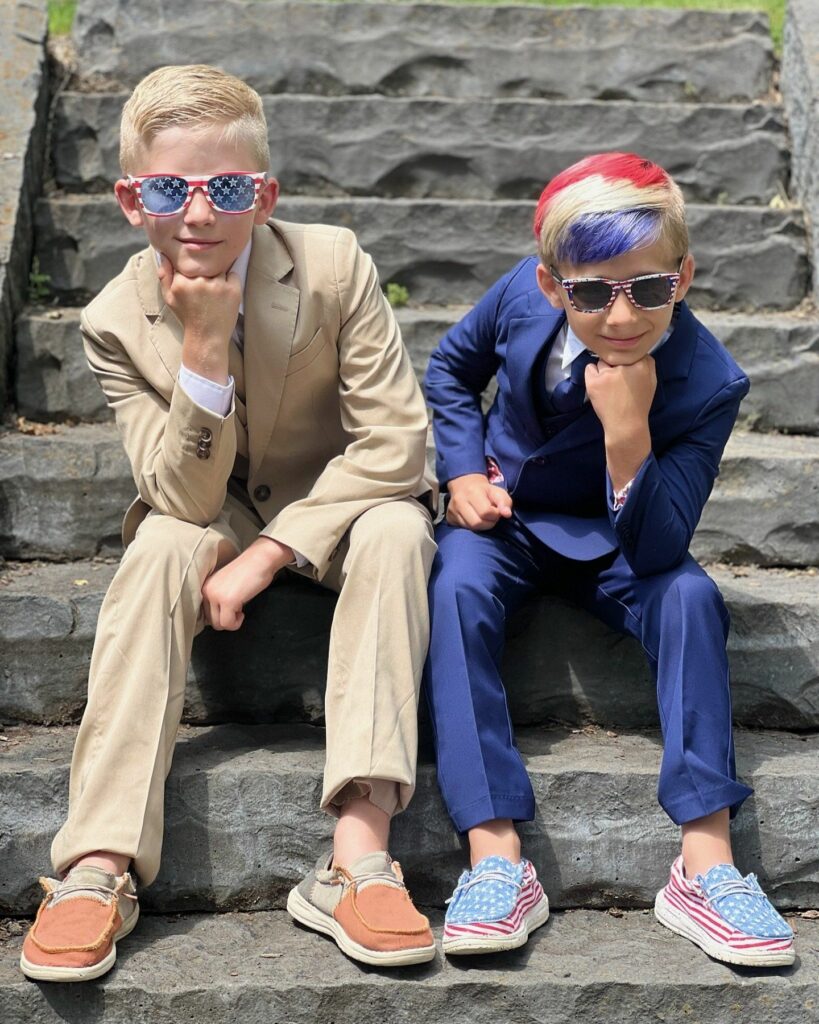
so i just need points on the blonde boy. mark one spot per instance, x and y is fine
(272, 420)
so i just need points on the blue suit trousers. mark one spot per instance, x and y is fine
(480, 578)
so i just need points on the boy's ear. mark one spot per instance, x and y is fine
(128, 203)
(686, 277)
(550, 288)
(266, 203)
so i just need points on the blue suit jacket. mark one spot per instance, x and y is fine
(558, 479)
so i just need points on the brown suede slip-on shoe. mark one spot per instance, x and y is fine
(367, 910)
(74, 937)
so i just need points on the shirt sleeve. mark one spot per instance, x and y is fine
(216, 398)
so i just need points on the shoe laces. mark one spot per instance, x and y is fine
(486, 876)
(734, 887)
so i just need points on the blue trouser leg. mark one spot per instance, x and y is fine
(477, 580)
(682, 622)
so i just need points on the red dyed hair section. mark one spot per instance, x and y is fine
(611, 167)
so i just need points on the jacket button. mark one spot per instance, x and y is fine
(262, 492)
(205, 435)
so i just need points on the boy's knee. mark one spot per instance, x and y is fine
(162, 541)
(399, 531)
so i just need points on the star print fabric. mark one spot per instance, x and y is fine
(488, 892)
(742, 903)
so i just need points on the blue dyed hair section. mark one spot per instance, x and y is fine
(597, 237)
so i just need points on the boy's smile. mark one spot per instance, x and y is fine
(199, 241)
(623, 333)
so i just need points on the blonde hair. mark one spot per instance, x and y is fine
(194, 96)
(606, 205)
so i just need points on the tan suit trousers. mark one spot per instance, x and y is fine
(147, 623)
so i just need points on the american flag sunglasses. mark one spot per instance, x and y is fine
(163, 195)
(597, 294)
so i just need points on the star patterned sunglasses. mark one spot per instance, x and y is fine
(163, 195)
(597, 294)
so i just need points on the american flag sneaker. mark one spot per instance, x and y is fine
(726, 915)
(494, 907)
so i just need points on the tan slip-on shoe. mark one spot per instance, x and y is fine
(366, 909)
(74, 937)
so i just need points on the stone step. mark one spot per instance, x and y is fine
(48, 616)
(431, 49)
(245, 798)
(62, 497)
(583, 966)
(780, 353)
(440, 250)
(464, 149)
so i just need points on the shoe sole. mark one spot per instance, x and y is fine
(681, 923)
(311, 917)
(41, 972)
(469, 945)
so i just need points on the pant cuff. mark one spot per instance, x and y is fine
(386, 794)
(518, 808)
(700, 805)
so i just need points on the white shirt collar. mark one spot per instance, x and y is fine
(573, 346)
(239, 268)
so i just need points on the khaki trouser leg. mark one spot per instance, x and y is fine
(136, 692)
(378, 644)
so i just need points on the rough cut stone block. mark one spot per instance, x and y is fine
(779, 353)
(561, 664)
(426, 49)
(764, 509)
(748, 257)
(464, 149)
(23, 102)
(246, 799)
(62, 495)
(800, 91)
(585, 966)
(52, 378)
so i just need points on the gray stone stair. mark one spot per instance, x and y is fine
(62, 497)
(748, 257)
(581, 966)
(429, 49)
(464, 149)
(561, 664)
(245, 799)
(780, 353)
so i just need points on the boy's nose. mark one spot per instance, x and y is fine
(621, 311)
(200, 209)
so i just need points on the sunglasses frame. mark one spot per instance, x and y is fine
(193, 183)
(569, 283)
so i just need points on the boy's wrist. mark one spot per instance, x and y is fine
(625, 454)
(206, 355)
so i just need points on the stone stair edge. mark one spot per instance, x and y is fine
(582, 965)
(246, 798)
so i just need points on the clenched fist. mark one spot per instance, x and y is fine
(476, 504)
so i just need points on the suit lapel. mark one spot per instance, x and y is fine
(526, 342)
(271, 309)
(165, 332)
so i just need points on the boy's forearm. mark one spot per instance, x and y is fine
(626, 451)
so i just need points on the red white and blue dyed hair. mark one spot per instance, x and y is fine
(606, 205)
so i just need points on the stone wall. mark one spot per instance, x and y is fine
(800, 88)
(23, 116)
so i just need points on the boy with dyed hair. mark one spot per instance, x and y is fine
(587, 477)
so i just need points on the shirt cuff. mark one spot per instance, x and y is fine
(216, 398)
(618, 498)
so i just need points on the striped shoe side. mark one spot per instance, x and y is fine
(531, 909)
(682, 907)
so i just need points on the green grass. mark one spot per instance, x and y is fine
(61, 16)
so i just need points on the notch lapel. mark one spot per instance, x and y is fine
(271, 309)
(526, 341)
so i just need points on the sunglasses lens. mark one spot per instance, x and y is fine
(652, 292)
(589, 296)
(232, 193)
(164, 194)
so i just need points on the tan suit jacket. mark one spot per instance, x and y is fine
(332, 423)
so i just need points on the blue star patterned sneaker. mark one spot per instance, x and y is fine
(494, 907)
(728, 916)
